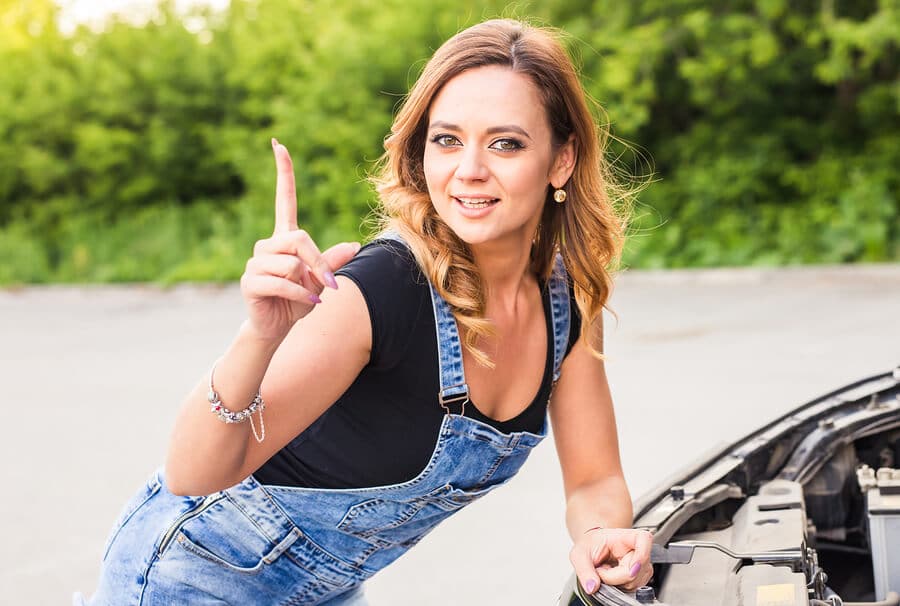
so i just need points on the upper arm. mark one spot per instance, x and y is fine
(316, 363)
(584, 424)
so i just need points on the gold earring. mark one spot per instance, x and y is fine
(560, 196)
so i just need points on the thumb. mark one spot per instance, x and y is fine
(339, 254)
(621, 573)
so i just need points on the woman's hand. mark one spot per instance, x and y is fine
(615, 556)
(286, 274)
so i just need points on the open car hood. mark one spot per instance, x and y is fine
(804, 511)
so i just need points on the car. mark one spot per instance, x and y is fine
(804, 511)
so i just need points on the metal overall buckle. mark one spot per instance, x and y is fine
(446, 400)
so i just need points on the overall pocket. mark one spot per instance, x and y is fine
(403, 521)
(223, 534)
(131, 507)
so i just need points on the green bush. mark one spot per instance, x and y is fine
(141, 152)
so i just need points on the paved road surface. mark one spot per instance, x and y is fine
(90, 379)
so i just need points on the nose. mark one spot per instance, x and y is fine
(471, 165)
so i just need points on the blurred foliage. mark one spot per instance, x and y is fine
(142, 152)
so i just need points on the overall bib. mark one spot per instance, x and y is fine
(256, 544)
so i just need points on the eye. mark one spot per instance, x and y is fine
(507, 145)
(445, 140)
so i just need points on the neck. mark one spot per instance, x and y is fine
(505, 270)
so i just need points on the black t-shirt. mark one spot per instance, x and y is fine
(383, 429)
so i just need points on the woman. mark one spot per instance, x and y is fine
(370, 394)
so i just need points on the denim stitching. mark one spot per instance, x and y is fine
(492, 470)
(188, 545)
(316, 550)
(153, 487)
(250, 518)
(559, 297)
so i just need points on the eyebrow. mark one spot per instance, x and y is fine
(503, 128)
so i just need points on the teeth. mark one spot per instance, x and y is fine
(476, 202)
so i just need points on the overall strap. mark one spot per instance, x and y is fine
(452, 376)
(453, 387)
(560, 313)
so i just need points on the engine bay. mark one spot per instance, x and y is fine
(803, 512)
(837, 532)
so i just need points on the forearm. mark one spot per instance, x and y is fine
(605, 502)
(206, 454)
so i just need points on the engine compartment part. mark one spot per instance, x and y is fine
(766, 586)
(682, 552)
(833, 531)
(792, 515)
(829, 494)
(759, 559)
(882, 489)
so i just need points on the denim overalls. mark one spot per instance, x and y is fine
(255, 544)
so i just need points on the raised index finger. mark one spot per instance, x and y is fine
(285, 190)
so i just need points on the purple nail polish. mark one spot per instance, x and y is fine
(329, 280)
(315, 299)
(636, 568)
(591, 586)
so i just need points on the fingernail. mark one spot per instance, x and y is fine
(329, 280)
(274, 142)
(636, 568)
(591, 586)
(356, 247)
(315, 299)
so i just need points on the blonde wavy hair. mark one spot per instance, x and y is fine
(587, 230)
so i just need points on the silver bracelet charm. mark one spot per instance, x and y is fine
(229, 416)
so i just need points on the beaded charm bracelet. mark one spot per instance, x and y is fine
(230, 416)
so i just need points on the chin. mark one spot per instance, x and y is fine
(469, 232)
(477, 236)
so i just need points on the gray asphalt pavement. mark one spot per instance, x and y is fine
(91, 378)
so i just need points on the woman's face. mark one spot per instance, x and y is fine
(489, 156)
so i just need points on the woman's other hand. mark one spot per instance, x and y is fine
(615, 556)
(286, 274)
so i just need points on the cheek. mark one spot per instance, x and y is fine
(526, 179)
(438, 169)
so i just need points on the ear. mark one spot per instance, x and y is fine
(564, 163)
